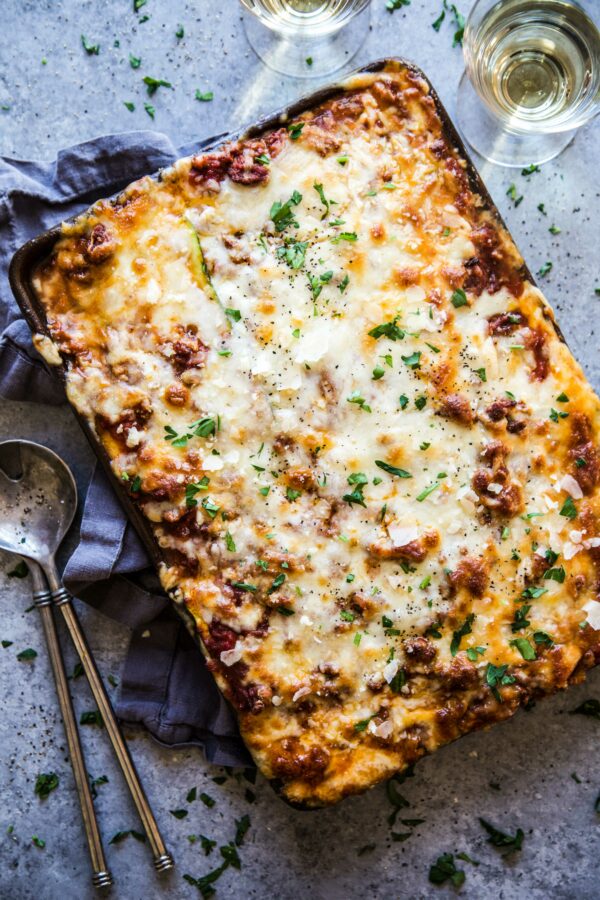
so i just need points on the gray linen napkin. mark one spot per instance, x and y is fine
(165, 684)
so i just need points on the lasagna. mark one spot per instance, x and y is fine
(365, 457)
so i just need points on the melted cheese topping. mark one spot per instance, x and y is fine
(352, 428)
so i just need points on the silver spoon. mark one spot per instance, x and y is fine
(38, 500)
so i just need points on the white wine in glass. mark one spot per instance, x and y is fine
(532, 77)
(306, 38)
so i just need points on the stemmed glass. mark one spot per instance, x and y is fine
(306, 38)
(532, 77)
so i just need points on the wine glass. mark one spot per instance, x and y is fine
(306, 38)
(532, 77)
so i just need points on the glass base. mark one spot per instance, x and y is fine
(487, 135)
(303, 56)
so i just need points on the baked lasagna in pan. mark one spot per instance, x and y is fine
(367, 461)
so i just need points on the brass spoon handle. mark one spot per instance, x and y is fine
(101, 877)
(162, 858)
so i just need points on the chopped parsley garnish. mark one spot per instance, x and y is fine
(544, 269)
(179, 32)
(149, 109)
(496, 675)
(234, 315)
(568, 509)
(292, 494)
(230, 543)
(244, 586)
(192, 489)
(562, 398)
(263, 159)
(207, 800)
(129, 105)
(27, 655)
(460, 633)
(45, 783)
(205, 96)
(91, 717)
(396, 4)
(444, 868)
(293, 252)
(295, 130)
(482, 373)
(282, 214)
(424, 584)
(362, 725)
(529, 170)
(90, 49)
(326, 203)
(420, 402)
(121, 835)
(153, 84)
(438, 22)
(357, 638)
(358, 479)
(459, 298)
(355, 397)
(211, 508)
(204, 428)
(473, 653)
(524, 647)
(556, 574)
(135, 61)
(378, 372)
(413, 361)
(389, 330)
(316, 283)
(403, 401)
(343, 284)
(500, 839)
(512, 193)
(555, 415)
(542, 209)
(241, 829)
(346, 615)
(540, 637)
(342, 160)
(345, 236)
(392, 470)
(191, 795)
(277, 582)
(521, 621)
(428, 490)
(38, 842)
(554, 230)
(179, 813)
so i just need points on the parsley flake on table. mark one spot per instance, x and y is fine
(20, 570)
(590, 707)
(45, 783)
(135, 61)
(499, 839)
(153, 84)
(27, 655)
(205, 96)
(512, 194)
(130, 832)
(545, 269)
(129, 105)
(396, 4)
(90, 49)
(149, 109)
(444, 869)
(180, 32)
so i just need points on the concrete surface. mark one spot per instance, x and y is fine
(544, 763)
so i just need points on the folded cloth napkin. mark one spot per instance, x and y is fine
(165, 684)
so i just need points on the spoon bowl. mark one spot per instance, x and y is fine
(38, 500)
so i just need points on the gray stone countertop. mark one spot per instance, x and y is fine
(538, 771)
